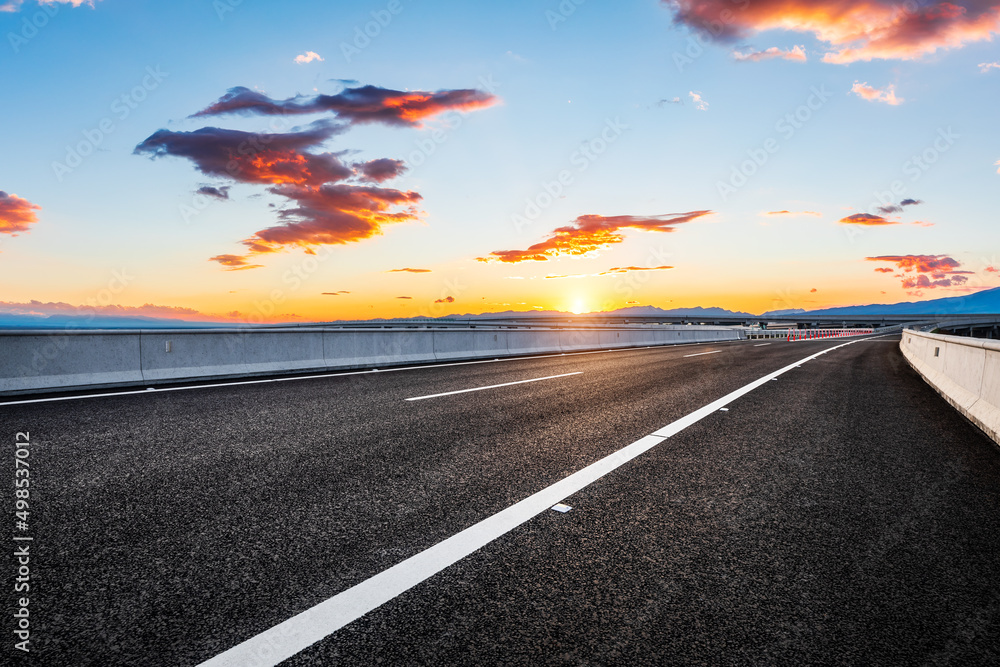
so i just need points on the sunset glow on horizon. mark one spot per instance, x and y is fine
(314, 161)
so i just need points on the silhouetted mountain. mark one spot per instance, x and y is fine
(987, 301)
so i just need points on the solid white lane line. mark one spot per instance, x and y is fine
(237, 383)
(305, 629)
(762, 345)
(492, 386)
(701, 353)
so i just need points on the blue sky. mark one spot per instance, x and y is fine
(631, 71)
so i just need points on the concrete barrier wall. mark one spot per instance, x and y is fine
(33, 362)
(965, 371)
(37, 362)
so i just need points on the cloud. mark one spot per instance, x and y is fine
(382, 169)
(324, 211)
(796, 53)
(986, 67)
(16, 214)
(408, 270)
(867, 219)
(849, 30)
(211, 191)
(626, 269)
(365, 104)
(251, 157)
(924, 271)
(404, 297)
(813, 290)
(589, 233)
(447, 299)
(308, 57)
(234, 262)
(699, 103)
(672, 100)
(330, 202)
(997, 165)
(335, 293)
(872, 94)
(898, 208)
(786, 212)
(332, 214)
(15, 5)
(922, 223)
(992, 269)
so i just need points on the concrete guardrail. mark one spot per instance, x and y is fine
(965, 371)
(35, 361)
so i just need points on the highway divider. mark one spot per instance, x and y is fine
(38, 361)
(965, 371)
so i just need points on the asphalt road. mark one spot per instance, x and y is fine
(842, 514)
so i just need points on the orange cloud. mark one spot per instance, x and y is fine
(626, 269)
(852, 30)
(16, 214)
(924, 271)
(872, 94)
(796, 53)
(234, 262)
(589, 233)
(447, 299)
(866, 219)
(365, 104)
(408, 270)
(332, 201)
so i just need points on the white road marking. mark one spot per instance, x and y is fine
(236, 383)
(305, 629)
(701, 353)
(492, 386)
(762, 345)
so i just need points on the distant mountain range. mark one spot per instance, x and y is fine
(987, 301)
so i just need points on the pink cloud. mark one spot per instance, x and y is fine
(886, 95)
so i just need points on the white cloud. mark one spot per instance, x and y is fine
(986, 67)
(15, 5)
(308, 57)
(699, 103)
